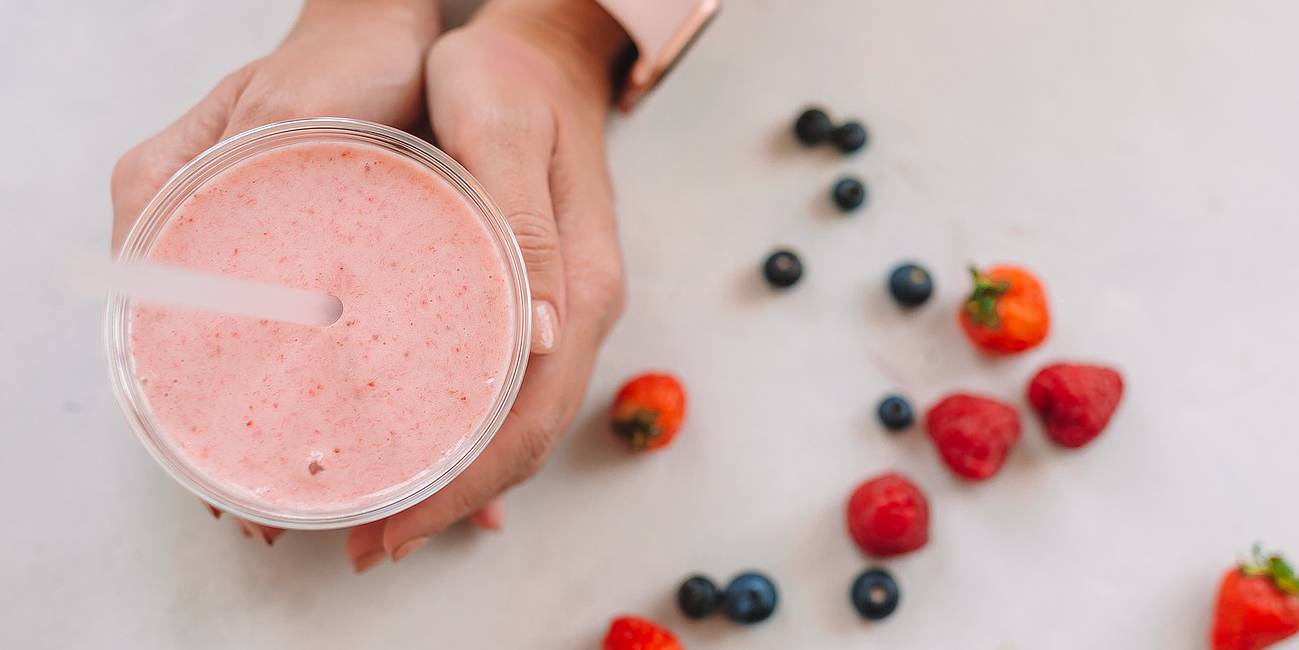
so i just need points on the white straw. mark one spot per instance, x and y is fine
(183, 287)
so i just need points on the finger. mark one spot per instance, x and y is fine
(584, 210)
(216, 514)
(491, 516)
(546, 404)
(265, 534)
(365, 546)
(141, 172)
(507, 146)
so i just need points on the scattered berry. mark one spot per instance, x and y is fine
(1258, 605)
(634, 633)
(849, 136)
(848, 193)
(895, 413)
(1006, 313)
(698, 597)
(1075, 401)
(750, 598)
(973, 434)
(910, 285)
(782, 269)
(875, 594)
(813, 126)
(648, 410)
(888, 515)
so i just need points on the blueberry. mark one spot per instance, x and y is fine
(910, 285)
(849, 136)
(813, 126)
(895, 413)
(750, 598)
(875, 594)
(782, 269)
(698, 597)
(848, 193)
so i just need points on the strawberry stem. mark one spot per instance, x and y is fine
(637, 428)
(1274, 567)
(982, 304)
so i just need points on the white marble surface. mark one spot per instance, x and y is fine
(1141, 155)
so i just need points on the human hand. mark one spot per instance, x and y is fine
(519, 97)
(342, 59)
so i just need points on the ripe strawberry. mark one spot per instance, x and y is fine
(1075, 401)
(973, 434)
(1006, 313)
(1258, 605)
(632, 633)
(648, 410)
(888, 515)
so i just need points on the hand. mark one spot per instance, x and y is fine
(520, 97)
(342, 59)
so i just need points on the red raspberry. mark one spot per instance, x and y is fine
(632, 633)
(1075, 401)
(888, 515)
(973, 434)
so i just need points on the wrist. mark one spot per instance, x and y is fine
(581, 37)
(418, 19)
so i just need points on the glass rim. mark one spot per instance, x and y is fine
(221, 156)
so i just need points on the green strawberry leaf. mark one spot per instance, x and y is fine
(1283, 575)
(982, 304)
(1275, 568)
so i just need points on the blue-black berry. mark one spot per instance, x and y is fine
(848, 193)
(813, 127)
(698, 597)
(895, 413)
(910, 285)
(849, 137)
(750, 598)
(782, 269)
(875, 594)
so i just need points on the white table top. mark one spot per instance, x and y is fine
(1142, 156)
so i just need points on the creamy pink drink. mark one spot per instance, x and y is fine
(309, 419)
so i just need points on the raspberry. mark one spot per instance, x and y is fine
(973, 434)
(888, 515)
(1075, 401)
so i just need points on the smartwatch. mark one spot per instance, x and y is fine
(662, 31)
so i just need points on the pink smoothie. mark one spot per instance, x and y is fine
(312, 419)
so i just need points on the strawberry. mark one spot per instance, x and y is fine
(648, 410)
(973, 434)
(1006, 312)
(888, 515)
(1075, 401)
(1258, 605)
(632, 633)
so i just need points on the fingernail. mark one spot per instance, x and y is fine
(407, 547)
(216, 514)
(367, 560)
(545, 327)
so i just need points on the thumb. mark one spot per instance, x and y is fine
(141, 172)
(508, 148)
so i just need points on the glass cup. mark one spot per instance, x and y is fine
(193, 176)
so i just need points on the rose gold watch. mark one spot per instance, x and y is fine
(662, 31)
